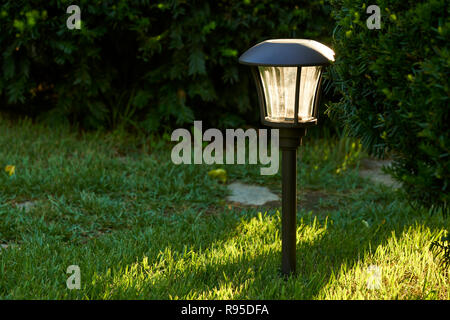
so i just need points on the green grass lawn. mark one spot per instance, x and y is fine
(140, 227)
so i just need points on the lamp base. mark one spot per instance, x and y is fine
(290, 139)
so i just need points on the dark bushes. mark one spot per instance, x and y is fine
(142, 63)
(394, 84)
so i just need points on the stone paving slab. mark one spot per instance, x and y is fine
(257, 196)
(371, 168)
(250, 194)
(27, 205)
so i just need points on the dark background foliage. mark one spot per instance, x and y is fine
(394, 84)
(153, 66)
(145, 64)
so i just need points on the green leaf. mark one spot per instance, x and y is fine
(197, 63)
(141, 99)
(8, 67)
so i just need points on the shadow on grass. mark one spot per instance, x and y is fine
(242, 259)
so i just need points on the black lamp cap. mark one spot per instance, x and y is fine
(288, 53)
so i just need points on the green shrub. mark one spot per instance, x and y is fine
(143, 63)
(394, 84)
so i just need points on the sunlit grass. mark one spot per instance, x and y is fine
(140, 227)
(408, 270)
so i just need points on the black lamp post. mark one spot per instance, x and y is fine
(288, 73)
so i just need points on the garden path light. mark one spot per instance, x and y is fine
(288, 73)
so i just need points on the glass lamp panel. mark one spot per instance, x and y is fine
(309, 79)
(279, 92)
